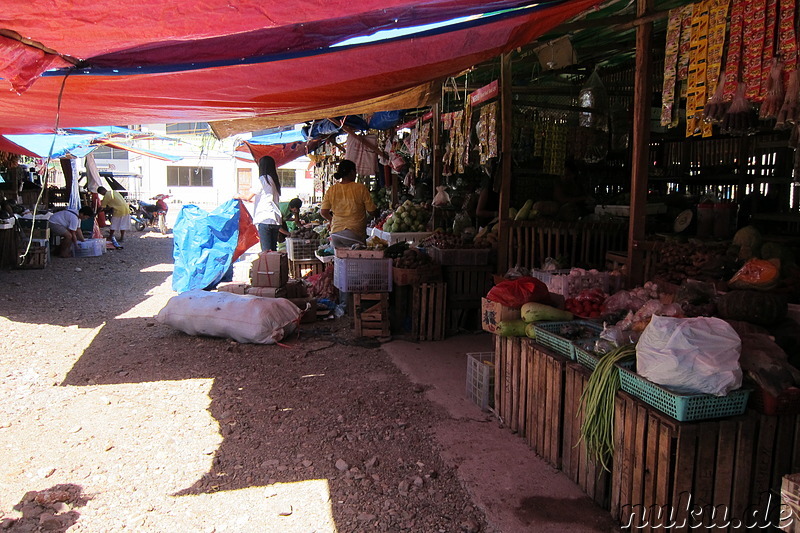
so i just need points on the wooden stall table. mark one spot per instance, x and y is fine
(692, 473)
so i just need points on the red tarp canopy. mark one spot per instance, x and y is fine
(157, 61)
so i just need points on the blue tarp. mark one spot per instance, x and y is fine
(63, 145)
(204, 245)
(282, 137)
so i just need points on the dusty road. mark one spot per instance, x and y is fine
(110, 421)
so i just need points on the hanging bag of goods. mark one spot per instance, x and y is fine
(718, 23)
(671, 66)
(696, 86)
(734, 59)
(774, 91)
(754, 25)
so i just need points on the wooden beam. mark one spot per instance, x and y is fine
(641, 141)
(617, 22)
(506, 116)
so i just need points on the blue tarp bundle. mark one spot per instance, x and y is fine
(204, 245)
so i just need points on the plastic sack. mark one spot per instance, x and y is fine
(441, 198)
(516, 293)
(241, 317)
(690, 355)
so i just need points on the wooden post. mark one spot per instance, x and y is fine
(642, 103)
(505, 161)
(436, 141)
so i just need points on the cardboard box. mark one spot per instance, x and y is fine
(233, 287)
(492, 313)
(270, 269)
(309, 308)
(296, 288)
(790, 503)
(267, 292)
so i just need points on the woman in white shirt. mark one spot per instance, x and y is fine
(266, 192)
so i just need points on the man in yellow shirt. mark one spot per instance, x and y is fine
(121, 213)
(346, 206)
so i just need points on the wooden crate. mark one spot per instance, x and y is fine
(37, 257)
(575, 462)
(302, 269)
(544, 391)
(507, 396)
(428, 311)
(466, 285)
(371, 314)
(732, 465)
(529, 393)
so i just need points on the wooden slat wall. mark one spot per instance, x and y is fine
(583, 244)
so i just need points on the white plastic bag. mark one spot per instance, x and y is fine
(241, 317)
(690, 355)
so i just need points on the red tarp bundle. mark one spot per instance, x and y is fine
(156, 61)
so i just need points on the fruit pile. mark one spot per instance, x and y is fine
(408, 217)
(587, 304)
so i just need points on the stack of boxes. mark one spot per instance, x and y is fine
(269, 278)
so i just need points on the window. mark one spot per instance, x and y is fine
(190, 177)
(188, 128)
(106, 152)
(288, 177)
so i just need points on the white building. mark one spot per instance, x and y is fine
(208, 174)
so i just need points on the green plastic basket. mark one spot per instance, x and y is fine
(547, 335)
(585, 358)
(590, 360)
(683, 407)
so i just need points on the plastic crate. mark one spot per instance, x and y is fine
(90, 248)
(301, 249)
(460, 256)
(547, 335)
(480, 379)
(362, 275)
(413, 238)
(683, 407)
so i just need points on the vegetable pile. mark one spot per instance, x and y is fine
(412, 258)
(597, 401)
(587, 304)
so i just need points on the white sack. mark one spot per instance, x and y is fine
(690, 355)
(241, 317)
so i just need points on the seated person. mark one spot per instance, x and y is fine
(66, 224)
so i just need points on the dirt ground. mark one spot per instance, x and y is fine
(111, 421)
